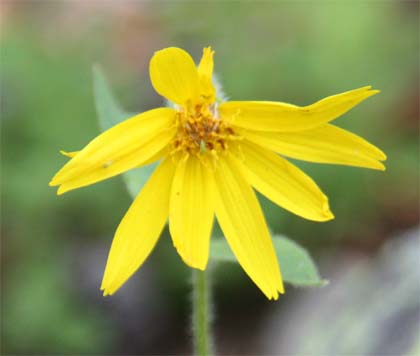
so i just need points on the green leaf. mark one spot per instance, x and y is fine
(110, 113)
(296, 265)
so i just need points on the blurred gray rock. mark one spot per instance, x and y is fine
(371, 307)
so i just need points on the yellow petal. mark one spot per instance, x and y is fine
(284, 184)
(140, 229)
(205, 73)
(127, 145)
(150, 160)
(323, 144)
(276, 116)
(120, 165)
(191, 211)
(242, 221)
(174, 75)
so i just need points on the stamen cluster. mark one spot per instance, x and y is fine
(200, 130)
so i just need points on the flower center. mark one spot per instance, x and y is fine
(201, 131)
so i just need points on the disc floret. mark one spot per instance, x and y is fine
(201, 131)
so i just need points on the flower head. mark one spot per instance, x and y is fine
(212, 156)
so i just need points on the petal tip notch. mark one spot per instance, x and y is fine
(381, 167)
(372, 92)
(61, 190)
(326, 211)
(382, 155)
(106, 291)
(275, 294)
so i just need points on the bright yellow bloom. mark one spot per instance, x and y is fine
(211, 157)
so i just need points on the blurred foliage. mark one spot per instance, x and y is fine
(295, 52)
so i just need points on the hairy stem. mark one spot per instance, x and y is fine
(201, 313)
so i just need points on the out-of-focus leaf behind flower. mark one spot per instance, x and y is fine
(109, 114)
(297, 267)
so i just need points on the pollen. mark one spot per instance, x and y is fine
(200, 131)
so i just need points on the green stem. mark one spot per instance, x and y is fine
(201, 313)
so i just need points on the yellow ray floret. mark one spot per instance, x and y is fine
(125, 146)
(241, 219)
(275, 116)
(323, 144)
(140, 228)
(192, 200)
(285, 184)
(205, 73)
(174, 75)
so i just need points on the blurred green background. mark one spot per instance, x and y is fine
(54, 248)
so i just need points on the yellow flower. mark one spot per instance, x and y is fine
(211, 156)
